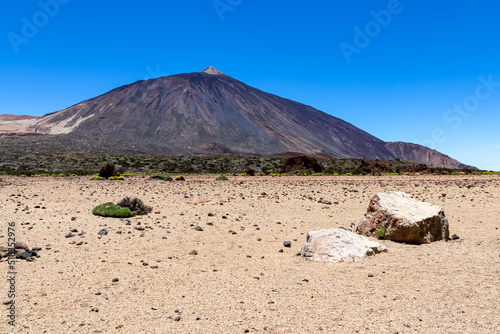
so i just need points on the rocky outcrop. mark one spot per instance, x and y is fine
(301, 163)
(338, 245)
(404, 219)
(423, 155)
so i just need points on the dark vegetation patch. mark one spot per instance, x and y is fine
(40, 162)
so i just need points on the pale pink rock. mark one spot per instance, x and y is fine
(404, 218)
(338, 245)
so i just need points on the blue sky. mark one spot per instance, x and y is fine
(420, 71)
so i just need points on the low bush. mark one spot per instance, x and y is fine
(112, 210)
(380, 232)
(160, 177)
(135, 205)
(222, 178)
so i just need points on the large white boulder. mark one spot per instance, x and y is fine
(338, 245)
(404, 219)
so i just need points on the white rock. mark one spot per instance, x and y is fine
(404, 218)
(338, 245)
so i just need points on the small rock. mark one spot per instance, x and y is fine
(193, 252)
(24, 255)
(177, 318)
(455, 237)
(69, 235)
(36, 248)
(102, 232)
(198, 228)
(115, 280)
(370, 275)
(287, 244)
(21, 245)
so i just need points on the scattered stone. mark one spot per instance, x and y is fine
(21, 245)
(193, 252)
(69, 235)
(102, 232)
(178, 318)
(404, 219)
(287, 244)
(338, 245)
(115, 280)
(455, 237)
(24, 255)
(370, 275)
(74, 230)
(198, 228)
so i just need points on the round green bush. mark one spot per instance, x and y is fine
(112, 210)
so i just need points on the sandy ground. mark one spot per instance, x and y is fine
(240, 282)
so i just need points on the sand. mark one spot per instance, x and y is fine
(239, 281)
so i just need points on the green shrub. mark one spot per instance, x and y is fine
(1, 180)
(380, 232)
(222, 178)
(112, 210)
(160, 177)
(116, 178)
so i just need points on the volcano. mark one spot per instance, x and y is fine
(205, 113)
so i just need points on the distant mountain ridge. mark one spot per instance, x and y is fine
(204, 113)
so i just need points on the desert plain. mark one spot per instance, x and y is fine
(161, 274)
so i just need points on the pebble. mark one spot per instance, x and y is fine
(102, 232)
(287, 244)
(370, 275)
(69, 235)
(198, 228)
(115, 280)
(177, 318)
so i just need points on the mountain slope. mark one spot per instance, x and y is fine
(422, 154)
(206, 112)
(201, 113)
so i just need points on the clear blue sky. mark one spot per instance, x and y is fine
(397, 78)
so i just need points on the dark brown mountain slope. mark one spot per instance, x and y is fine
(424, 155)
(200, 113)
(208, 112)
